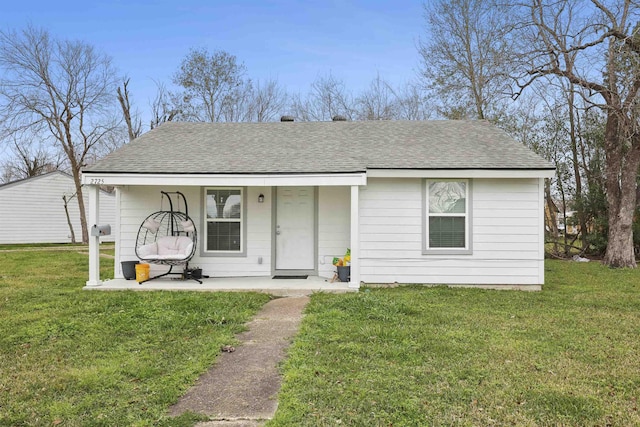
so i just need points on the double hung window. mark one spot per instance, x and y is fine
(224, 219)
(447, 216)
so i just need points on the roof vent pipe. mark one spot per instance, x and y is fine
(339, 119)
(287, 119)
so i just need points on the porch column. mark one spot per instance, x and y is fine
(94, 241)
(355, 238)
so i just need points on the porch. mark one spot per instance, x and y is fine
(275, 229)
(276, 287)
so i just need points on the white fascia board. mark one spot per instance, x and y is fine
(460, 173)
(201, 180)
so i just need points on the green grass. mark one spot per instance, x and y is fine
(569, 355)
(39, 245)
(105, 248)
(86, 358)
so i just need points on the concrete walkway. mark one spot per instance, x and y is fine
(241, 388)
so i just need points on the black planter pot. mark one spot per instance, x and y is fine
(129, 269)
(344, 273)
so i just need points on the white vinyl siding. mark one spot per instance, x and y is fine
(334, 205)
(505, 221)
(32, 210)
(137, 202)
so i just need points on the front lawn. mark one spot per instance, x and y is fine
(569, 355)
(70, 357)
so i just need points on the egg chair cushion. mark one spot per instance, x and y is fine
(188, 226)
(152, 225)
(167, 248)
(146, 251)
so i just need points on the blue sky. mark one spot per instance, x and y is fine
(294, 42)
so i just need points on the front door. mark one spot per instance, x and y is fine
(295, 225)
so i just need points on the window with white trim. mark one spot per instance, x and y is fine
(447, 215)
(224, 216)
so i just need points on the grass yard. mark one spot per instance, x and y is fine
(413, 356)
(567, 356)
(75, 358)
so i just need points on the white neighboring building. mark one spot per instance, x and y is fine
(32, 210)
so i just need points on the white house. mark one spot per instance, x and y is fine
(433, 202)
(32, 210)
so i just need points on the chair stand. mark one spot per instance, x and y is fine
(185, 274)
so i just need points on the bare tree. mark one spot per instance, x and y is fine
(211, 84)
(596, 46)
(412, 103)
(163, 107)
(28, 159)
(6, 175)
(268, 101)
(379, 102)
(236, 106)
(466, 56)
(134, 124)
(61, 90)
(327, 98)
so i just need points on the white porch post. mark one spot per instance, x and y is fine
(117, 265)
(355, 237)
(94, 241)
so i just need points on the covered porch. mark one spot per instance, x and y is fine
(334, 227)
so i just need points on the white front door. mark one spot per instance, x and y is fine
(295, 223)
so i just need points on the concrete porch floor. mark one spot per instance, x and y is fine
(277, 287)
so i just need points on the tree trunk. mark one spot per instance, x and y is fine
(553, 218)
(620, 246)
(66, 212)
(125, 104)
(621, 172)
(579, 206)
(80, 196)
(566, 249)
(565, 243)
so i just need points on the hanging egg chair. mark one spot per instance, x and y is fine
(168, 238)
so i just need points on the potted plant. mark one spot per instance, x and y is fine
(343, 266)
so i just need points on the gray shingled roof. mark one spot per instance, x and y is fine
(321, 147)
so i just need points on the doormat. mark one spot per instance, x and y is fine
(290, 277)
